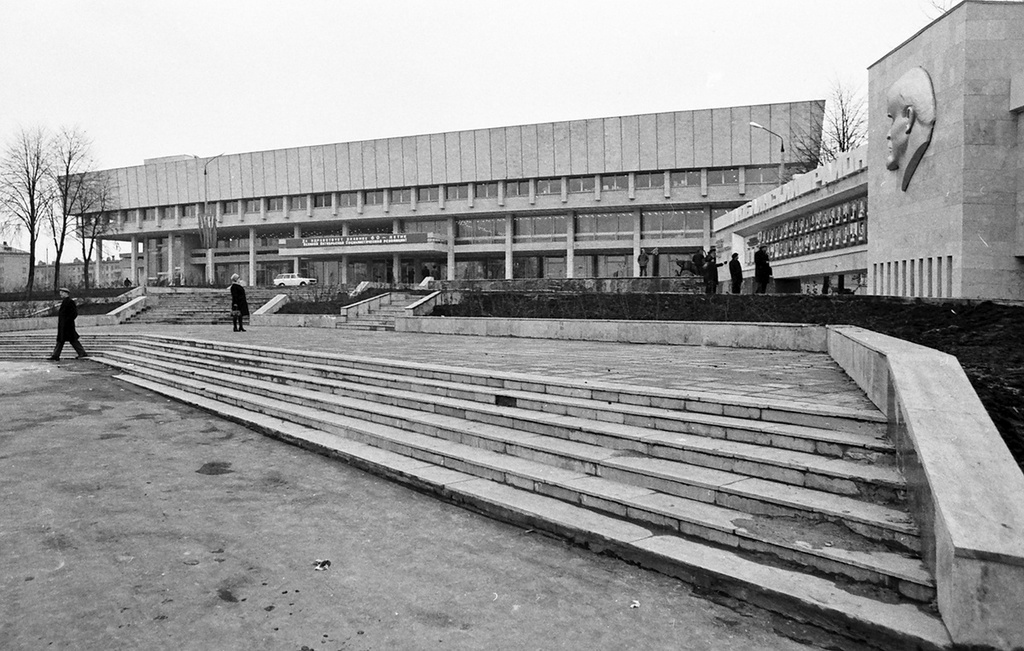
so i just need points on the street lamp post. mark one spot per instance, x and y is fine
(782, 150)
(208, 224)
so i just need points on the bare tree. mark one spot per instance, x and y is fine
(72, 165)
(843, 127)
(26, 191)
(92, 221)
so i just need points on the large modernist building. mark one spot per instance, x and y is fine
(554, 200)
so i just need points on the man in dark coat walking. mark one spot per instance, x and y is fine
(66, 326)
(736, 273)
(239, 306)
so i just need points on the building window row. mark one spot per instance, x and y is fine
(488, 190)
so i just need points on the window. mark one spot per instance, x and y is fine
(604, 226)
(297, 202)
(730, 176)
(649, 180)
(453, 192)
(275, 204)
(428, 194)
(439, 227)
(374, 197)
(370, 229)
(252, 205)
(477, 231)
(687, 179)
(549, 186)
(321, 200)
(188, 210)
(517, 188)
(612, 182)
(672, 223)
(230, 207)
(766, 175)
(581, 184)
(149, 214)
(347, 199)
(401, 195)
(485, 190)
(539, 228)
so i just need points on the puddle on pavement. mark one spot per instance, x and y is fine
(215, 468)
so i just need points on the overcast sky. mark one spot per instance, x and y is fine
(155, 78)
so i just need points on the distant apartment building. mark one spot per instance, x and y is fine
(13, 268)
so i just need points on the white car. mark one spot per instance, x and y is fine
(292, 280)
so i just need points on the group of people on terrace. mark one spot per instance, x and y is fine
(705, 264)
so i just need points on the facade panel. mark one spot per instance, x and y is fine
(613, 144)
(410, 175)
(127, 187)
(317, 168)
(761, 142)
(452, 158)
(305, 170)
(579, 157)
(438, 158)
(630, 143)
(498, 153)
(648, 141)
(514, 152)
(377, 174)
(562, 148)
(288, 179)
(342, 168)
(545, 149)
(395, 162)
(243, 163)
(684, 140)
(702, 139)
(531, 158)
(666, 126)
(355, 166)
(741, 135)
(721, 128)
(595, 146)
(780, 125)
(467, 162)
(424, 161)
(482, 149)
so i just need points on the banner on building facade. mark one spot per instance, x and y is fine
(372, 239)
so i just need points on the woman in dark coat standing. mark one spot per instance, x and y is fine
(66, 326)
(239, 306)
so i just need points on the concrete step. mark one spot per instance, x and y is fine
(846, 612)
(877, 522)
(651, 432)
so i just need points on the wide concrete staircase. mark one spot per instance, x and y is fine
(792, 507)
(198, 306)
(382, 316)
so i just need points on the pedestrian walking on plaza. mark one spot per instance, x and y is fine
(762, 270)
(239, 306)
(642, 260)
(66, 316)
(711, 265)
(736, 273)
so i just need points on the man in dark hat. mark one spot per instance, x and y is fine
(66, 326)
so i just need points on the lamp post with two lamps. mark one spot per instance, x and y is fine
(782, 150)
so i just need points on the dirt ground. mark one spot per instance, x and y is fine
(129, 522)
(987, 338)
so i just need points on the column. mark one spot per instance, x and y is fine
(133, 275)
(451, 248)
(252, 248)
(570, 245)
(296, 233)
(509, 269)
(344, 257)
(146, 267)
(636, 242)
(396, 267)
(263, 209)
(170, 260)
(99, 262)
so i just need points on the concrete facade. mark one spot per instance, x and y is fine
(554, 200)
(955, 231)
(13, 268)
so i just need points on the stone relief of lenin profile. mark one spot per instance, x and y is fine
(910, 103)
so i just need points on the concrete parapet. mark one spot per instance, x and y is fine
(296, 320)
(771, 336)
(271, 306)
(965, 487)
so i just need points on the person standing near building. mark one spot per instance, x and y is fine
(642, 260)
(762, 270)
(66, 316)
(239, 306)
(736, 273)
(711, 265)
